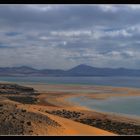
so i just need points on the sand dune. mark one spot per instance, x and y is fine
(67, 126)
(75, 128)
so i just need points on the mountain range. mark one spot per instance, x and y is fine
(80, 70)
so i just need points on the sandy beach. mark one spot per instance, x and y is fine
(49, 112)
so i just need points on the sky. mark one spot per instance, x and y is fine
(63, 36)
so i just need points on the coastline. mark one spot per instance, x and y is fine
(63, 96)
(60, 100)
(54, 102)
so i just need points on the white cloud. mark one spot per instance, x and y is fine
(71, 33)
(41, 7)
(44, 38)
(108, 7)
(115, 33)
(133, 6)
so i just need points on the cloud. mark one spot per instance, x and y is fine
(61, 36)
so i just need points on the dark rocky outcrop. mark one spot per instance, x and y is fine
(15, 89)
(117, 127)
(66, 113)
(24, 99)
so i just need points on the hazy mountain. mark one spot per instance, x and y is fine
(85, 70)
(80, 70)
(15, 71)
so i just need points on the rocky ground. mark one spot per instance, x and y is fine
(112, 126)
(15, 121)
(66, 113)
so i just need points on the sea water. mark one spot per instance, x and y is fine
(103, 81)
(129, 105)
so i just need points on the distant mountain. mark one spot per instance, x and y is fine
(85, 70)
(80, 70)
(17, 71)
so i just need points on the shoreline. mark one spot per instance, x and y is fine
(117, 119)
(53, 101)
(64, 100)
(127, 116)
(97, 96)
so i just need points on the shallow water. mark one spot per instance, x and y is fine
(122, 105)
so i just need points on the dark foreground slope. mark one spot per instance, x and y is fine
(16, 121)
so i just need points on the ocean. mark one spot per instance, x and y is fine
(120, 105)
(102, 81)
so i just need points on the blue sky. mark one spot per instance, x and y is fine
(63, 36)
